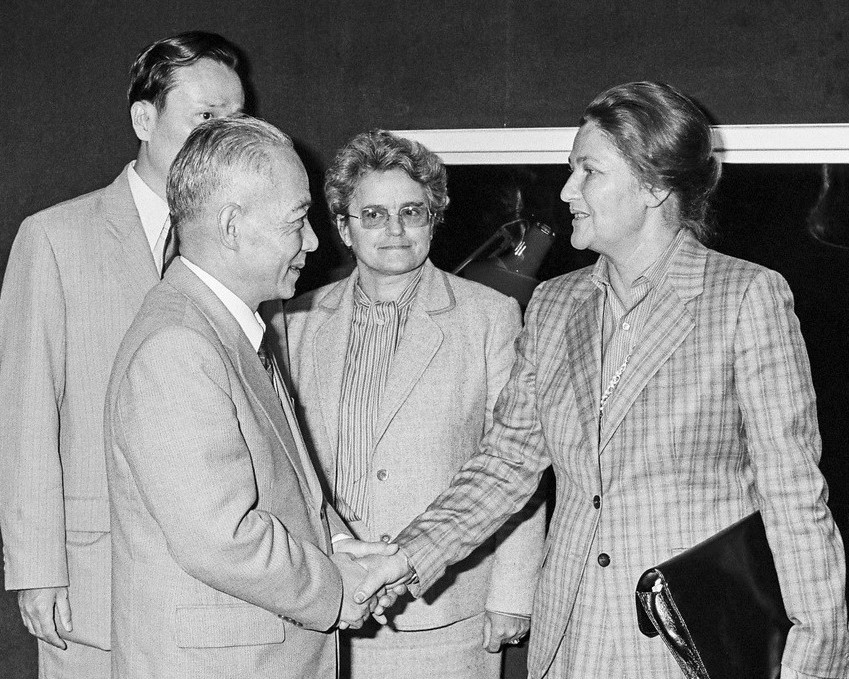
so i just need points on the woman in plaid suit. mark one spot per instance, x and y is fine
(669, 387)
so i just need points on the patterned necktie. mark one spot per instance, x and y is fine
(265, 359)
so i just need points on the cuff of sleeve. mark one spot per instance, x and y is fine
(520, 616)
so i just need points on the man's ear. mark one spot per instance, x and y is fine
(229, 225)
(143, 115)
(344, 232)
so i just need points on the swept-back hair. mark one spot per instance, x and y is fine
(666, 139)
(214, 153)
(152, 73)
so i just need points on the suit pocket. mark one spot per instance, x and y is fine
(89, 572)
(223, 626)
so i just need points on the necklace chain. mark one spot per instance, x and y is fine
(614, 381)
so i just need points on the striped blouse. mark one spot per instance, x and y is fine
(376, 331)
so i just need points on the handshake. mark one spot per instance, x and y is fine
(374, 575)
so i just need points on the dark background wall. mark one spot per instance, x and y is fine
(324, 70)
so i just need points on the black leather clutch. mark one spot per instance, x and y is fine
(718, 606)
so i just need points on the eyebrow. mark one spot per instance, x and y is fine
(404, 204)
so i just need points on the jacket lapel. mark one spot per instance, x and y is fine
(329, 348)
(419, 344)
(129, 254)
(583, 360)
(248, 367)
(669, 324)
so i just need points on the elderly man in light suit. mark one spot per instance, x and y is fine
(221, 539)
(77, 274)
(397, 369)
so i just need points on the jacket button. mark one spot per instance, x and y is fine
(603, 560)
(385, 538)
(382, 474)
(596, 501)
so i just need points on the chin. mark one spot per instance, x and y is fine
(578, 243)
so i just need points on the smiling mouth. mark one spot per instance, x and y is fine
(578, 215)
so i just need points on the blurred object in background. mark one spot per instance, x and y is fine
(512, 271)
(509, 259)
(828, 220)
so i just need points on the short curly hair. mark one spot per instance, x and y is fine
(381, 151)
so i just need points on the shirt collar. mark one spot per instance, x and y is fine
(404, 300)
(250, 322)
(655, 273)
(153, 211)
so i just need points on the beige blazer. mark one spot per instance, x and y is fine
(452, 362)
(715, 418)
(219, 530)
(76, 276)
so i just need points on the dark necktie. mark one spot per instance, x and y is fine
(265, 359)
(170, 250)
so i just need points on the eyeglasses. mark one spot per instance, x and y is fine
(409, 216)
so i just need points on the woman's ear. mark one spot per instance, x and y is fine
(655, 196)
(344, 230)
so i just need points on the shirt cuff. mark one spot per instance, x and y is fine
(520, 616)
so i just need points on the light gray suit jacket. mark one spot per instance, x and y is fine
(77, 275)
(220, 532)
(453, 360)
(714, 419)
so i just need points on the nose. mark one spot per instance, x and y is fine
(570, 191)
(393, 224)
(310, 240)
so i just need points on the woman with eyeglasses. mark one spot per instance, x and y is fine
(396, 371)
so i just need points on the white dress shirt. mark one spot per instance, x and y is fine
(250, 321)
(152, 209)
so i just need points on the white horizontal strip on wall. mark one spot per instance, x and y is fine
(824, 143)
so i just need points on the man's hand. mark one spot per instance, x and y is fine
(390, 573)
(354, 611)
(360, 548)
(499, 629)
(37, 607)
(364, 550)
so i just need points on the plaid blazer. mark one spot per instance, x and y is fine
(714, 419)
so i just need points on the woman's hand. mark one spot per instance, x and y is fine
(500, 628)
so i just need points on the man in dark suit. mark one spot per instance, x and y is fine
(76, 277)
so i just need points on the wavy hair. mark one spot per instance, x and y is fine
(380, 151)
